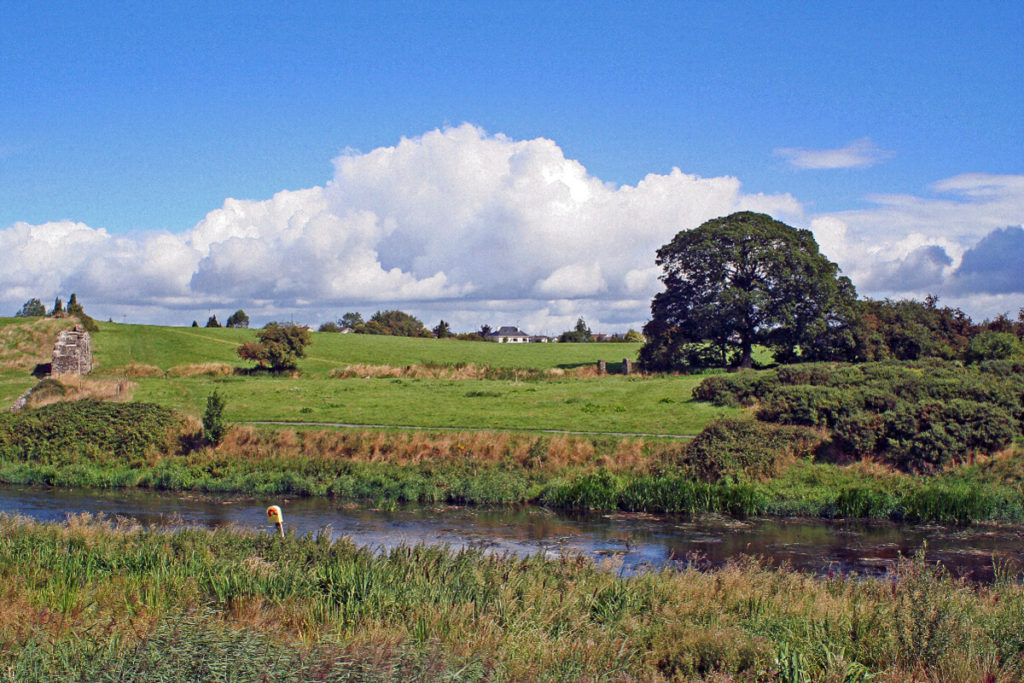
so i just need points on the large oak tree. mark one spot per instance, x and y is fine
(746, 280)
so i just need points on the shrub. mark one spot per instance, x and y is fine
(741, 388)
(858, 434)
(213, 419)
(279, 347)
(739, 446)
(66, 431)
(925, 436)
(990, 345)
(810, 406)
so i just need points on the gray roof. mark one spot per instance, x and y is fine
(507, 331)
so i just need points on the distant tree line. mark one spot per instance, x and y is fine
(34, 308)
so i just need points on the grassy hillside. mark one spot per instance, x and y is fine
(165, 347)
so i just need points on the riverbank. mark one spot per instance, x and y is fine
(101, 445)
(86, 600)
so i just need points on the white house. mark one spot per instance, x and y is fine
(510, 335)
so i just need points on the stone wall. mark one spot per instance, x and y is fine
(72, 354)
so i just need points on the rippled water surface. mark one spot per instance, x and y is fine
(633, 542)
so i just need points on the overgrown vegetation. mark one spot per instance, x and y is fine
(88, 433)
(919, 417)
(103, 603)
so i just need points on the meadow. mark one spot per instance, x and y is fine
(88, 600)
(536, 391)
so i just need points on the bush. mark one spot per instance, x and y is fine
(990, 345)
(742, 388)
(279, 347)
(213, 419)
(858, 434)
(926, 436)
(68, 431)
(745, 447)
(810, 406)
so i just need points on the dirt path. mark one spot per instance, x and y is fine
(348, 425)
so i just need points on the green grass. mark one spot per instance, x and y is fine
(610, 404)
(165, 347)
(87, 601)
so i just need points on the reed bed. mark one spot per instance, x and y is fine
(94, 600)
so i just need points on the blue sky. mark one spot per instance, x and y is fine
(135, 120)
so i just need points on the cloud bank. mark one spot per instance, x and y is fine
(477, 228)
(963, 243)
(457, 223)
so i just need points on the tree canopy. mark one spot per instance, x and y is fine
(351, 320)
(580, 333)
(238, 319)
(744, 280)
(32, 308)
(278, 348)
(395, 323)
(443, 330)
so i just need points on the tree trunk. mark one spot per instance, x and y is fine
(747, 360)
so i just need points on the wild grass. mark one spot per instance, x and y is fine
(71, 388)
(26, 342)
(131, 369)
(201, 370)
(462, 371)
(88, 600)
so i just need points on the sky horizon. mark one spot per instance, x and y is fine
(497, 165)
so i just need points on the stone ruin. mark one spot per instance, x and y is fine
(72, 354)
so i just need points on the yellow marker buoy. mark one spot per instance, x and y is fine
(275, 516)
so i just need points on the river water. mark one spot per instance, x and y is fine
(631, 542)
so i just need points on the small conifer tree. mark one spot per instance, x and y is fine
(213, 419)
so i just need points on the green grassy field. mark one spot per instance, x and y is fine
(165, 347)
(614, 403)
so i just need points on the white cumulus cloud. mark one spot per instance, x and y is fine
(455, 223)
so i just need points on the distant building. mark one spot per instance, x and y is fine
(510, 335)
(539, 339)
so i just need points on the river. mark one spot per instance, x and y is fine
(630, 542)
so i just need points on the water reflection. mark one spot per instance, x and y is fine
(635, 542)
